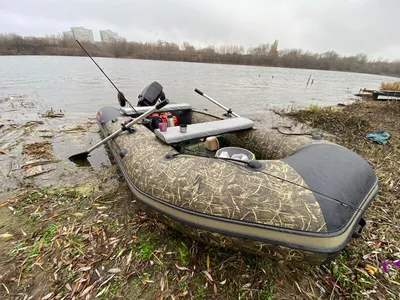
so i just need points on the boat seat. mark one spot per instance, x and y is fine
(202, 130)
(142, 109)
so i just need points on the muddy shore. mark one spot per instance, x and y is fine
(68, 231)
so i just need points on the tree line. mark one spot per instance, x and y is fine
(262, 55)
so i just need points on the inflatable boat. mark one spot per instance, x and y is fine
(300, 198)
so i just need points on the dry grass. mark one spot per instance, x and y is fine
(86, 241)
(393, 86)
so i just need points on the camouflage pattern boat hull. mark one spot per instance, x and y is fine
(304, 204)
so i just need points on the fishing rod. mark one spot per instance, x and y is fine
(121, 96)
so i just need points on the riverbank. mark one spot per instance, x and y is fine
(84, 235)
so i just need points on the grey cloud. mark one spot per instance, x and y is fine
(348, 27)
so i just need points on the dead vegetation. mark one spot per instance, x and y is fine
(393, 86)
(92, 242)
(39, 150)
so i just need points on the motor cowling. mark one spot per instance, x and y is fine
(150, 95)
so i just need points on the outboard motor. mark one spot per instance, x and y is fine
(151, 94)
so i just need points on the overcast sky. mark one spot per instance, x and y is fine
(345, 26)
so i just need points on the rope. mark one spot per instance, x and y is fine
(236, 162)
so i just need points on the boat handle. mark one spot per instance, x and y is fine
(361, 227)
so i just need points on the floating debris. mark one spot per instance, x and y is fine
(36, 171)
(39, 163)
(52, 114)
(39, 150)
(72, 129)
(47, 135)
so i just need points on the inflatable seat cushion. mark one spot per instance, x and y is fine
(201, 130)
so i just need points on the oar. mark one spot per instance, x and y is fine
(80, 157)
(228, 110)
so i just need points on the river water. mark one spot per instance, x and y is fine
(31, 85)
(76, 86)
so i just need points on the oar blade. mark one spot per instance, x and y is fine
(80, 158)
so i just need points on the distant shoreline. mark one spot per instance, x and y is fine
(264, 55)
(202, 62)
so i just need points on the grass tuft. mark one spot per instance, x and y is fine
(393, 86)
(146, 250)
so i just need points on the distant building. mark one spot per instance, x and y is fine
(108, 36)
(82, 34)
(68, 35)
